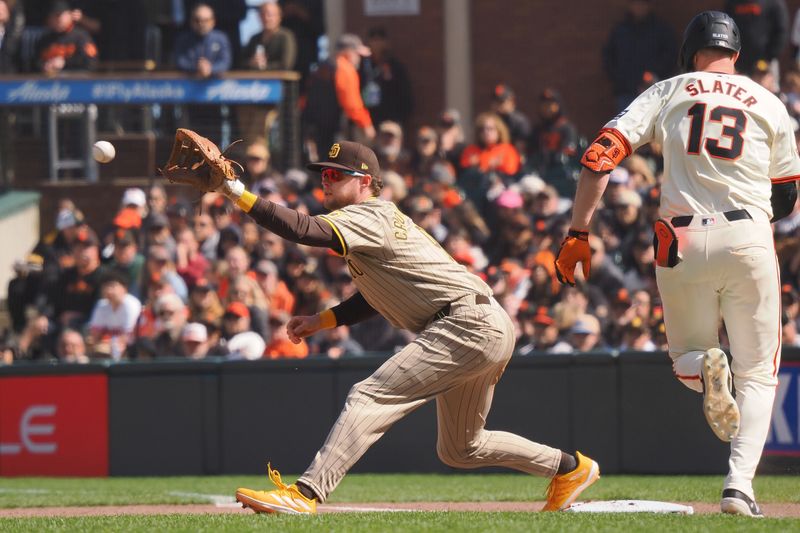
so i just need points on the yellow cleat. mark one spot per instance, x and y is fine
(284, 499)
(565, 489)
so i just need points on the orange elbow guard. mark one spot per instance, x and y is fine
(606, 151)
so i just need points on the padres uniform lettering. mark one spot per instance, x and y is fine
(407, 278)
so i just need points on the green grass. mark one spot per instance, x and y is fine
(416, 522)
(39, 492)
(29, 492)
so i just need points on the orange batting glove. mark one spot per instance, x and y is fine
(574, 249)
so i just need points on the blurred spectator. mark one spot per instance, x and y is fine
(425, 154)
(204, 304)
(280, 347)
(334, 91)
(64, 46)
(764, 28)
(12, 22)
(553, 143)
(641, 42)
(427, 215)
(117, 26)
(394, 187)
(606, 275)
(539, 331)
(451, 137)
(179, 213)
(504, 105)
(274, 47)
(71, 347)
(160, 268)
(583, 336)
(127, 259)
(236, 321)
(203, 52)
(493, 151)
(310, 293)
(207, 235)
(229, 14)
(237, 263)
(78, 288)
(189, 262)
(246, 290)
(159, 234)
(764, 75)
(114, 317)
(172, 316)
(389, 148)
(279, 297)
(194, 339)
(636, 336)
(336, 343)
(156, 204)
(385, 82)
(25, 291)
(257, 168)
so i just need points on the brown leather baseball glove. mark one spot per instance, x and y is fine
(198, 162)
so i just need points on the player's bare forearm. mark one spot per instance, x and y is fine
(591, 186)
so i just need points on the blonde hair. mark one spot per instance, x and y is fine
(255, 295)
(503, 135)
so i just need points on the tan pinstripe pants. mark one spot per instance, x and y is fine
(457, 360)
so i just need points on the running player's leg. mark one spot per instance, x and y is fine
(751, 308)
(691, 319)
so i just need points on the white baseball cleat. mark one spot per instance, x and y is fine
(738, 503)
(719, 406)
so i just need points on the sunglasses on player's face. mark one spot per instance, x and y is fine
(333, 175)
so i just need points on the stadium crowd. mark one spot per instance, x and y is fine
(167, 277)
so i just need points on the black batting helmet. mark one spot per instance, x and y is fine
(709, 29)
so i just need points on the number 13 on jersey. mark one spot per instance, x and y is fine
(730, 144)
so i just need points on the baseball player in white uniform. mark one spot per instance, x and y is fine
(730, 163)
(464, 341)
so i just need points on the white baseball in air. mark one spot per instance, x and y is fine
(103, 151)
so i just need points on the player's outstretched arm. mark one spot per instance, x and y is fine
(198, 162)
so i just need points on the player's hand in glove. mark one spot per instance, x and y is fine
(574, 249)
(198, 162)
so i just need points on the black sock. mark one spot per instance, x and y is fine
(568, 463)
(306, 491)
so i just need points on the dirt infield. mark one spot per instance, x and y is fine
(775, 510)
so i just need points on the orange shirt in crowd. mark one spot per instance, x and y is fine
(286, 349)
(502, 157)
(282, 299)
(348, 92)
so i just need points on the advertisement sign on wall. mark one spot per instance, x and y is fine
(54, 425)
(784, 434)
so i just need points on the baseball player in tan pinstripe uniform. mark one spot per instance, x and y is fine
(465, 340)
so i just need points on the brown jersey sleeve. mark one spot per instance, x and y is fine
(295, 226)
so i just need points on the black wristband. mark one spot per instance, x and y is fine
(580, 235)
